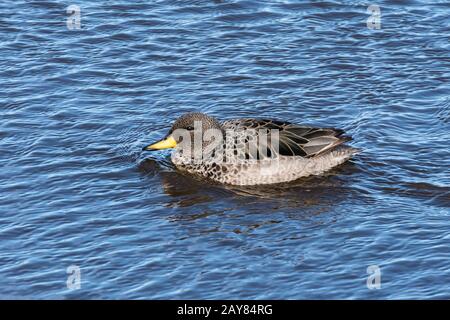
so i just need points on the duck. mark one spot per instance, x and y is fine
(252, 151)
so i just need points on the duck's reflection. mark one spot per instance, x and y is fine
(184, 191)
(198, 198)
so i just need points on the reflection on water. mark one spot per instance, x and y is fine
(311, 190)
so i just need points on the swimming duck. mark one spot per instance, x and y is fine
(252, 151)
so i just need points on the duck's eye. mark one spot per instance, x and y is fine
(190, 128)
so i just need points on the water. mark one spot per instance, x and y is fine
(78, 105)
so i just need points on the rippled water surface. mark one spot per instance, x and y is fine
(77, 106)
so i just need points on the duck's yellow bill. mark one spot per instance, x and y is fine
(163, 144)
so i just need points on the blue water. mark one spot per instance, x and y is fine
(77, 106)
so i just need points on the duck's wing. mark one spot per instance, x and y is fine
(293, 139)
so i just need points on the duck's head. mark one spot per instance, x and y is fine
(187, 129)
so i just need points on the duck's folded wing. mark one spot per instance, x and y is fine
(293, 140)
